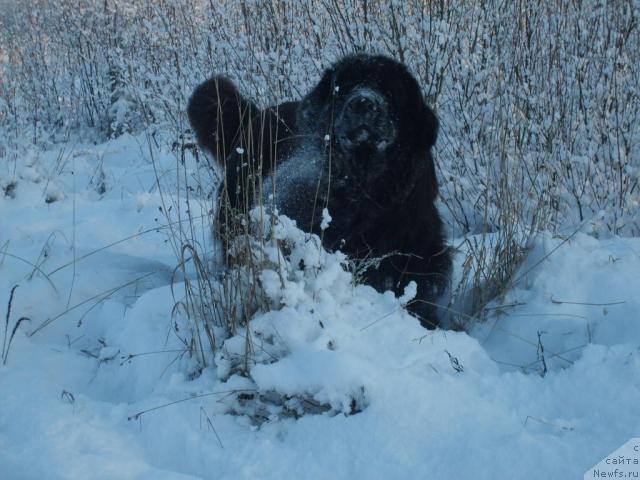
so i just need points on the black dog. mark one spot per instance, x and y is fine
(359, 145)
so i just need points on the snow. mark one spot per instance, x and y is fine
(111, 375)
(545, 387)
(326, 219)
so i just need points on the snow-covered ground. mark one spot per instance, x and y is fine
(545, 388)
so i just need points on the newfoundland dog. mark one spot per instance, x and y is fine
(358, 145)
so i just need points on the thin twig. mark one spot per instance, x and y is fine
(139, 414)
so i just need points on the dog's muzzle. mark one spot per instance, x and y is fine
(363, 121)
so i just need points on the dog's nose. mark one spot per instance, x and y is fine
(362, 122)
(362, 105)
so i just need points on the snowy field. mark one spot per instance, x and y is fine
(98, 348)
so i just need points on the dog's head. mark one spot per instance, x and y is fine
(367, 104)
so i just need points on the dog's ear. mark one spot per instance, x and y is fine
(422, 122)
(219, 115)
(429, 126)
(310, 111)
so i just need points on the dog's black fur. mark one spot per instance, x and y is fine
(359, 144)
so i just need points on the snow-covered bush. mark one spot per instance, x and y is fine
(282, 296)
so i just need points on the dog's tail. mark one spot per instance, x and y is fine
(219, 115)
